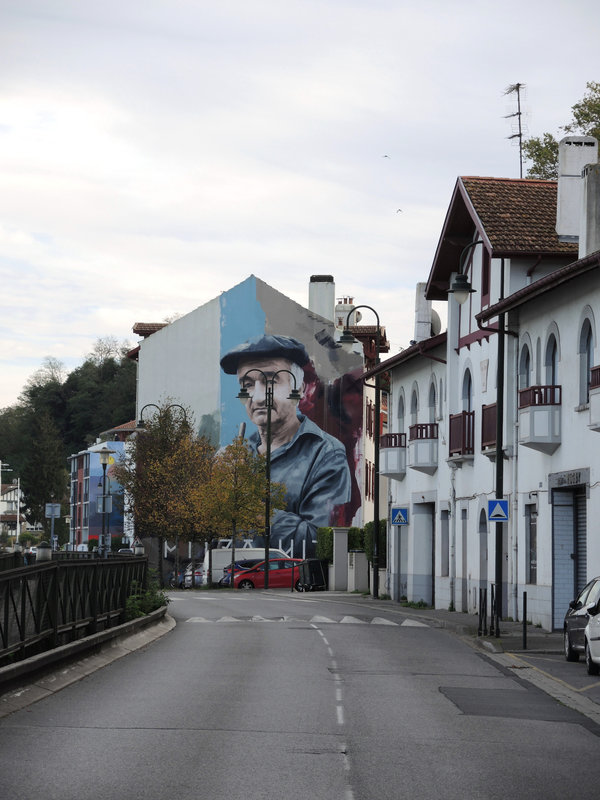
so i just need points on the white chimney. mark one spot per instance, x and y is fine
(589, 237)
(321, 295)
(574, 153)
(427, 320)
(422, 314)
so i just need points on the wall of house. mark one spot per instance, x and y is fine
(575, 464)
(181, 364)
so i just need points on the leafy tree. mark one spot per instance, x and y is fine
(164, 475)
(44, 478)
(543, 151)
(236, 493)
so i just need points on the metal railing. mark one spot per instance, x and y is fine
(393, 440)
(462, 428)
(50, 604)
(425, 430)
(595, 377)
(488, 425)
(540, 396)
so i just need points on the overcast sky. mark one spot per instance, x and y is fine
(155, 153)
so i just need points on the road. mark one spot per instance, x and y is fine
(265, 695)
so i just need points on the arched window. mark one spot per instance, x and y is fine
(551, 361)
(467, 392)
(414, 407)
(525, 368)
(586, 360)
(401, 415)
(432, 403)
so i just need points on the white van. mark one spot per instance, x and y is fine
(222, 557)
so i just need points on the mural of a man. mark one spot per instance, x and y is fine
(311, 463)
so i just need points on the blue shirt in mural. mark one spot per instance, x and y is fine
(314, 469)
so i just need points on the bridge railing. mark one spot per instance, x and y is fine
(46, 605)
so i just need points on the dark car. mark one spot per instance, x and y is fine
(577, 617)
(283, 574)
(238, 566)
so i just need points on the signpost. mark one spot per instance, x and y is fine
(399, 516)
(52, 512)
(498, 510)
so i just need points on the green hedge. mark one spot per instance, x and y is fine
(358, 539)
(382, 543)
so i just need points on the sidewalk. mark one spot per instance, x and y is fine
(511, 633)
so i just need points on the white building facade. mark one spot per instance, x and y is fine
(532, 282)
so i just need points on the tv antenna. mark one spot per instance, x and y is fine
(517, 88)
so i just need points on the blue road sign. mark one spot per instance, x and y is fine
(399, 516)
(498, 510)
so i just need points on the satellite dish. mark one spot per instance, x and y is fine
(436, 323)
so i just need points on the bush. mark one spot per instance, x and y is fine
(325, 544)
(356, 539)
(143, 601)
(382, 542)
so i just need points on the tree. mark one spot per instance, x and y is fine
(543, 151)
(163, 477)
(236, 493)
(44, 478)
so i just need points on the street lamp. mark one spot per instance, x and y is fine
(348, 338)
(141, 424)
(461, 288)
(244, 395)
(105, 454)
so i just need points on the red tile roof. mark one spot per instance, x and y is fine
(148, 328)
(518, 215)
(512, 216)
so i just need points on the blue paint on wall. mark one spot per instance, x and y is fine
(241, 318)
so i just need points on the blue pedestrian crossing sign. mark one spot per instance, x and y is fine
(399, 516)
(498, 510)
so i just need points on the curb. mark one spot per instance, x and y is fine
(109, 645)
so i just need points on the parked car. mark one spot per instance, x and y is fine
(179, 581)
(282, 571)
(592, 642)
(199, 576)
(242, 564)
(578, 615)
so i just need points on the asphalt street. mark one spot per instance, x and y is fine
(267, 694)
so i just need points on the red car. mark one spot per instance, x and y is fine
(283, 572)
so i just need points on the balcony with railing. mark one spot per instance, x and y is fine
(423, 447)
(488, 428)
(462, 428)
(392, 455)
(539, 417)
(594, 401)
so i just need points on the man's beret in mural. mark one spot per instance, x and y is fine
(265, 346)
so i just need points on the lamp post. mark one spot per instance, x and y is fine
(461, 288)
(105, 454)
(348, 338)
(244, 395)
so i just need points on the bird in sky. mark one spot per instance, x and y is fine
(399, 211)
(385, 156)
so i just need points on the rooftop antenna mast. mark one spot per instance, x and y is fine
(517, 88)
